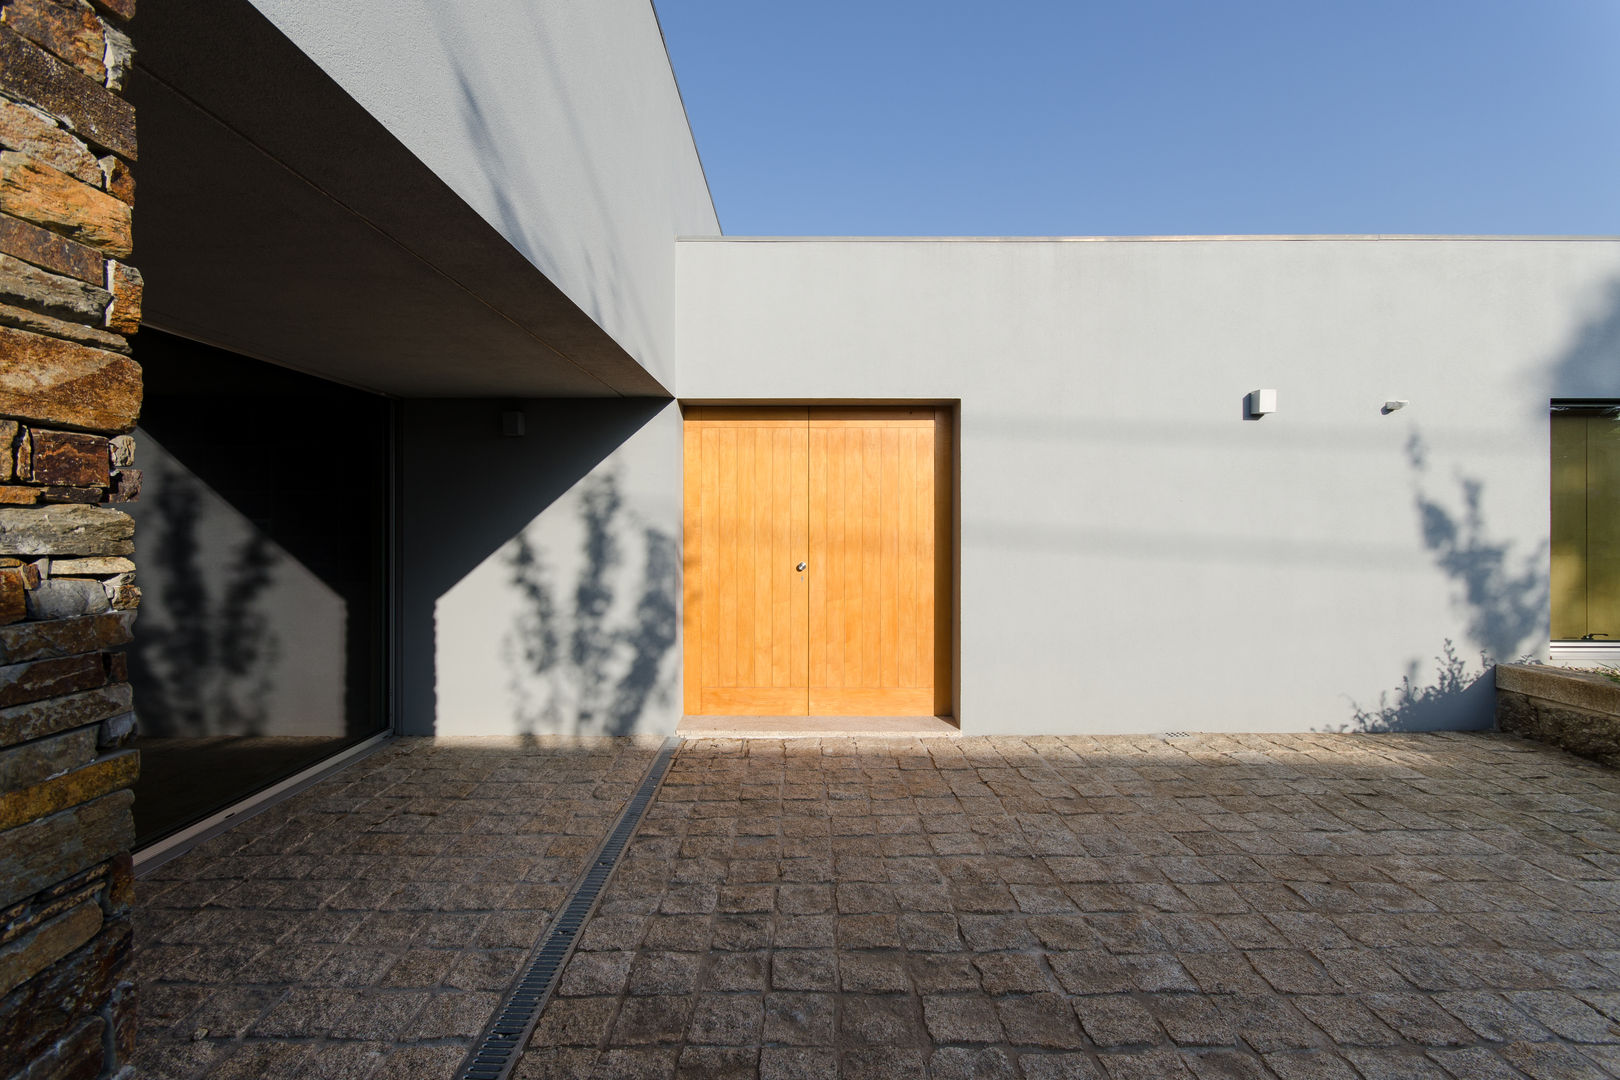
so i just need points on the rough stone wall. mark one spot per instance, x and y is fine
(1576, 710)
(69, 393)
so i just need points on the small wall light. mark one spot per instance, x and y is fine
(1395, 405)
(512, 424)
(1261, 402)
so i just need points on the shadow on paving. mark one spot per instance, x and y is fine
(1290, 906)
(367, 926)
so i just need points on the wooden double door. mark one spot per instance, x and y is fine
(817, 561)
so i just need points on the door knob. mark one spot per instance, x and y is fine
(801, 567)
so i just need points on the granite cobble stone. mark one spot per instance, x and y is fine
(364, 927)
(1222, 907)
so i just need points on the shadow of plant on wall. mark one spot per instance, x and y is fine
(1429, 707)
(202, 663)
(592, 669)
(1503, 594)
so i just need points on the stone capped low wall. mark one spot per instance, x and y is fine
(1577, 710)
(69, 396)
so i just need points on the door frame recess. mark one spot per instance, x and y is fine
(951, 609)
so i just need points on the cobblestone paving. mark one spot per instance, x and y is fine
(1372, 906)
(366, 926)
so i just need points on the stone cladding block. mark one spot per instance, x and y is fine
(68, 394)
(96, 885)
(112, 585)
(122, 595)
(68, 28)
(10, 432)
(66, 530)
(42, 852)
(121, 450)
(41, 138)
(39, 948)
(84, 105)
(100, 777)
(62, 457)
(117, 179)
(13, 592)
(64, 637)
(38, 1013)
(120, 54)
(44, 248)
(127, 287)
(75, 567)
(77, 1056)
(121, 1015)
(59, 494)
(51, 198)
(60, 382)
(39, 679)
(115, 731)
(119, 9)
(124, 485)
(51, 294)
(120, 894)
(49, 325)
(34, 763)
(39, 719)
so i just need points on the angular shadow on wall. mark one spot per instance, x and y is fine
(471, 498)
(597, 289)
(1502, 593)
(1589, 367)
(593, 668)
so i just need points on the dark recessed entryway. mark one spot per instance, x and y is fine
(262, 539)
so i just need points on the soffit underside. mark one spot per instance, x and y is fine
(279, 219)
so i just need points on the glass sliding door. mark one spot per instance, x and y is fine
(262, 547)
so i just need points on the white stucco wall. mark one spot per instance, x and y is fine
(1137, 556)
(560, 123)
(540, 575)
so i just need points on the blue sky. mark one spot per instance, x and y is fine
(1137, 117)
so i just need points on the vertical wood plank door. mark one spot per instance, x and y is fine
(879, 496)
(747, 529)
(862, 497)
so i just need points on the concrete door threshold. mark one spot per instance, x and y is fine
(815, 727)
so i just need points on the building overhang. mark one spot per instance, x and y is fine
(280, 220)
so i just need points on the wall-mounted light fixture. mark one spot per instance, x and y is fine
(1261, 402)
(1395, 405)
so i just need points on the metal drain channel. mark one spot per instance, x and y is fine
(502, 1042)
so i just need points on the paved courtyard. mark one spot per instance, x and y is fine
(367, 926)
(1301, 906)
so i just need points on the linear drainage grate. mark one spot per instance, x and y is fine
(502, 1042)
